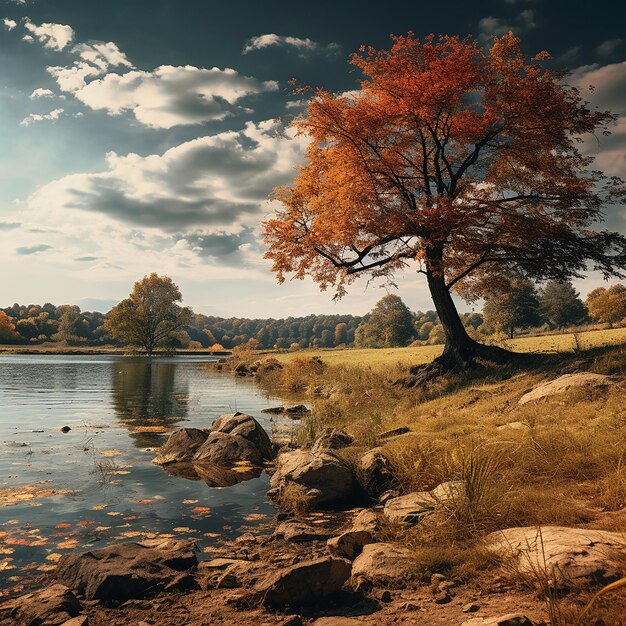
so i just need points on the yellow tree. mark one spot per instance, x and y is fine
(150, 317)
(607, 305)
(460, 161)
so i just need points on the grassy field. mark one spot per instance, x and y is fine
(569, 342)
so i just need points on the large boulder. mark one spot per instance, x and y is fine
(52, 606)
(390, 564)
(181, 445)
(326, 478)
(304, 583)
(568, 556)
(411, 508)
(565, 383)
(332, 439)
(235, 437)
(299, 532)
(126, 570)
(375, 472)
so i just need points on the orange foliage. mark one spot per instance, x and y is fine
(462, 160)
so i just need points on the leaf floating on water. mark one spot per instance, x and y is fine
(6, 564)
(158, 497)
(17, 541)
(15, 495)
(101, 529)
(129, 534)
(212, 535)
(63, 525)
(149, 429)
(183, 529)
(54, 557)
(67, 544)
(85, 523)
(110, 453)
(46, 567)
(6, 550)
(255, 517)
(99, 507)
(121, 472)
(201, 510)
(144, 501)
(130, 518)
(190, 501)
(4, 534)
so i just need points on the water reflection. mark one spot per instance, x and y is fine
(148, 398)
(214, 475)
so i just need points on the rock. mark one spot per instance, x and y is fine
(52, 606)
(386, 563)
(297, 411)
(449, 492)
(81, 620)
(332, 439)
(512, 619)
(569, 556)
(65, 429)
(304, 583)
(394, 432)
(472, 607)
(375, 472)
(235, 437)
(275, 410)
(442, 597)
(350, 543)
(326, 478)
(242, 369)
(299, 532)
(126, 570)
(181, 445)
(513, 426)
(566, 382)
(411, 508)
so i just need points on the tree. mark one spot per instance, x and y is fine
(561, 305)
(341, 334)
(8, 334)
(71, 326)
(516, 307)
(460, 160)
(390, 324)
(607, 305)
(150, 317)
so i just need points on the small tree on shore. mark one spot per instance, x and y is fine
(150, 317)
(390, 324)
(461, 161)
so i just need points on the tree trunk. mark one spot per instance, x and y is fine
(460, 349)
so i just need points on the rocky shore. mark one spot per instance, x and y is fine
(333, 556)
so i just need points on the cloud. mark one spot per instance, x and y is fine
(36, 117)
(88, 259)
(41, 93)
(10, 24)
(608, 47)
(303, 46)
(102, 55)
(608, 84)
(9, 225)
(52, 36)
(496, 27)
(166, 97)
(35, 249)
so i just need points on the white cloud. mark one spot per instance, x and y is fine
(102, 55)
(10, 24)
(36, 117)
(52, 36)
(41, 93)
(166, 97)
(304, 46)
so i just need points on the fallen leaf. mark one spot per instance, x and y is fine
(190, 501)
(110, 453)
(99, 507)
(201, 510)
(54, 557)
(67, 544)
(63, 525)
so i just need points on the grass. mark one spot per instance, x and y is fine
(562, 464)
(567, 342)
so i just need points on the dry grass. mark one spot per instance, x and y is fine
(561, 463)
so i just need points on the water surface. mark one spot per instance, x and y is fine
(109, 489)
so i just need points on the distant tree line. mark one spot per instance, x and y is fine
(517, 304)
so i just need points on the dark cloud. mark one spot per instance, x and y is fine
(87, 259)
(41, 247)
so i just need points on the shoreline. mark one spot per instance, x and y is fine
(105, 351)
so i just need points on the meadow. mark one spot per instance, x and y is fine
(549, 344)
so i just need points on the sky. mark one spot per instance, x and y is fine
(147, 135)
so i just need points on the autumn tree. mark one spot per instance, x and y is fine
(459, 161)
(607, 305)
(8, 333)
(561, 305)
(516, 307)
(151, 316)
(389, 324)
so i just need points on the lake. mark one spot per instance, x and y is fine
(96, 483)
